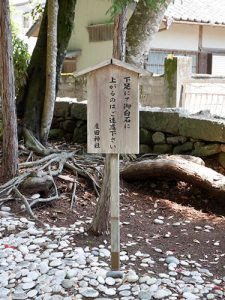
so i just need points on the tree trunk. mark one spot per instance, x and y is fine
(142, 26)
(50, 91)
(7, 95)
(173, 167)
(31, 97)
(100, 222)
(119, 35)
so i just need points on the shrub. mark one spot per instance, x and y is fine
(21, 59)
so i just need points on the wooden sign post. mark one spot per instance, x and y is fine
(113, 126)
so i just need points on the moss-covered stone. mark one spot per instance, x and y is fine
(171, 80)
(165, 120)
(175, 140)
(159, 138)
(162, 149)
(80, 134)
(211, 130)
(145, 136)
(56, 134)
(198, 144)
(79, 111)
(186, 147)
(69, 125)
(62, 109)
(207, 150)
(144, 149)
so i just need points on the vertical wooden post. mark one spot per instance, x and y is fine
(115, 211)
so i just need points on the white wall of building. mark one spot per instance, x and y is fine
(213, 37)
(178, 36)
(185, 37)
(90, 12)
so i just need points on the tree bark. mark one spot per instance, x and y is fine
(30, 101)
(100, 222)
(119, 35)
(142, 26)
(50, 91)
(177, 168)
(7, 95)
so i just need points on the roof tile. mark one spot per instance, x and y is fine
(203, 11)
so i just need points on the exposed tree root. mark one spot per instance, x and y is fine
(28, 208)
(37, 178)
(33, 144)
(179, 168)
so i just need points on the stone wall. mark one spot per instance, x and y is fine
(161, 130)
(70, 86)
(152, 91)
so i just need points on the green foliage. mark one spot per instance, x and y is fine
(37, 12)
(118, 5)
(21, 59)
(21, 56)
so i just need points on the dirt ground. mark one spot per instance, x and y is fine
(194, 224)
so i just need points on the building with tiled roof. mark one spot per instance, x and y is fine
(195, 28)
(211, 12)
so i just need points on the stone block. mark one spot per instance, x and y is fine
(69, 125)
(145, 136)
(165, 120)
(207, 150)
(159, 138)
(56, 134)
(79, 111)
(62, 109)
(80, 134)
(175, 140)
(144, 149)
(212, 130)
(186, 147)
(162, 149)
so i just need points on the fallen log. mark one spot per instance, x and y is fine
(178, 168)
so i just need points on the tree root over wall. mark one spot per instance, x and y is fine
(38, 176)
(177, 167)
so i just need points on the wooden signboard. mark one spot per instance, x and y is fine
(113, 126)
(113, 114)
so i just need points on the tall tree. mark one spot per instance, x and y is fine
(7, 95)
(142, 26)
(50, 90)
(30, 102)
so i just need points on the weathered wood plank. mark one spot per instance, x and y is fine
(113, 114)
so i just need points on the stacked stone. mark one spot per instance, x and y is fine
(161, 130)
(170, 131)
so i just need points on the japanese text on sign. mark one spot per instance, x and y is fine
(127, 104)
(112, 109)
(96, 136)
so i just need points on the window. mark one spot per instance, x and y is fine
(218, 65)
(100, 32)
(156, 59)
